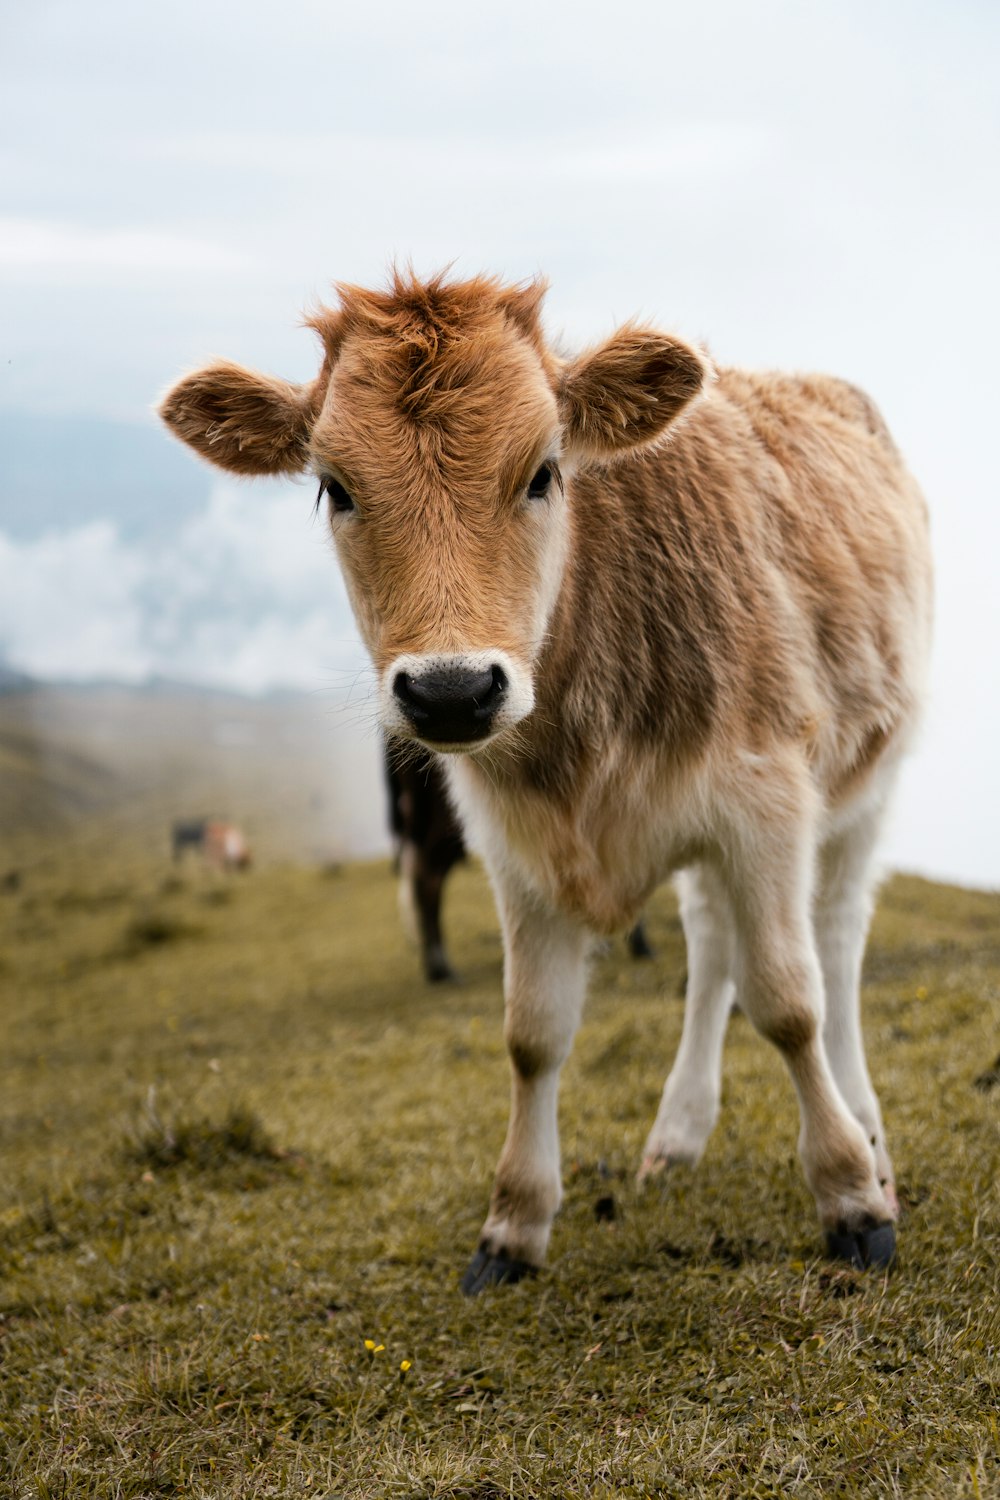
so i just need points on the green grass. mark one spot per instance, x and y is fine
(241, 1137)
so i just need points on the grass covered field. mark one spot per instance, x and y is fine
(247, 1150)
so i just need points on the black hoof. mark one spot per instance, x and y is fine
(638, 943)
(436, 966)
(491, 1270)
(864, 1248)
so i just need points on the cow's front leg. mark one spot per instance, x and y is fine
(544, 982)
(780, 984)
(842, 913)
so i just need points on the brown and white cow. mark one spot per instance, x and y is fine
(222, 845)
(654, 620)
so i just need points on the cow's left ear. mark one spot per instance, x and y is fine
(625, 393)
(240, 420)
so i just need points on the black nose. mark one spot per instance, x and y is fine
(449, 705)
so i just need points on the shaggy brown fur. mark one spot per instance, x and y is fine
(756, 579)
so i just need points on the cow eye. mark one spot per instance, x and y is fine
(539, 486)
(340, 500)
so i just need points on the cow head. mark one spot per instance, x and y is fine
(443, 431)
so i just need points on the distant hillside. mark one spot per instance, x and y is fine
(13, 681)
(302, 780)
(44, 785)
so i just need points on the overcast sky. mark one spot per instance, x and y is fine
(805, 185)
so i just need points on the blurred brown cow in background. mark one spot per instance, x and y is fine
(222, 845)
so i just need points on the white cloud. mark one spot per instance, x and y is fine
(246, 595)
(69, 605)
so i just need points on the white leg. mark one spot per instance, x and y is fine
(544, 984)
(690, 1103)
(780, 984)
(842, 913)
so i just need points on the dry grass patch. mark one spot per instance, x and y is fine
(249, 1289)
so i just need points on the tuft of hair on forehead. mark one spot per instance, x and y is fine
(425, 341)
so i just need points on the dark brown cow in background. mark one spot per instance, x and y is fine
(430, 844)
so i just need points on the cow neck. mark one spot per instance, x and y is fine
(627, 656)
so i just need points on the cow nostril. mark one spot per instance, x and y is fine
(408, 691)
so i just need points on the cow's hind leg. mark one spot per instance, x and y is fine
(780, 985)
(544, 982)
(842, 913)
(690, 1102)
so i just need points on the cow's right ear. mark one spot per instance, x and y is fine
(244, 422)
